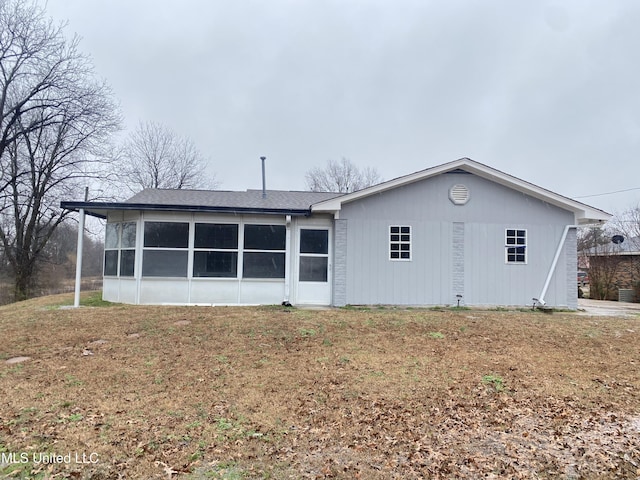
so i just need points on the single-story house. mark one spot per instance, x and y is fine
(461, 231)
(616, 270)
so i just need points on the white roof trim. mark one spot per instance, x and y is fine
(584, 214)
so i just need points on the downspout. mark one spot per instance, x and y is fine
(80, 248)
(554, 264)
(287, 263)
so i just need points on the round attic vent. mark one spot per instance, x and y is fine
(459, 194)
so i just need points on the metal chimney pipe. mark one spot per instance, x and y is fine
(264, 180)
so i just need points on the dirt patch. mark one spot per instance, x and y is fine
(350, 393)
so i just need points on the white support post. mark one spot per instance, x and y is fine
(76, 300)
(80, 248)
(289, 257)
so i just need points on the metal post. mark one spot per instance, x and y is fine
(264, 180)
(76, 299)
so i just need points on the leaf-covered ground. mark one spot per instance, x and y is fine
(243, 393)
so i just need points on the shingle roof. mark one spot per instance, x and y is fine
(277, 202)
(250, 199)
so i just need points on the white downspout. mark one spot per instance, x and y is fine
(287, 263)
(554, 264)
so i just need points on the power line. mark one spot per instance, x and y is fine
(608, 193)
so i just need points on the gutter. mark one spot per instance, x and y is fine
(554, 264)
(89, 206)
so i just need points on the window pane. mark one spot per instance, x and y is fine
(314, 241)
(405, 238)
(264, 237)
(395, 246)
(166, 234)
(111, 235)
(164, 263)
(395, 254)
(511, 233)
(216, 236)
(128, 235)
(215, 264)
(127, 262)
(111, 262)
(313, 269)
(404, 255)
(263, 265)
(395, 238)
(516, 254)
(404, 229)
(395, 229)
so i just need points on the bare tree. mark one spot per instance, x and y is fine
(627, 224)
(341, 176)
(602, 255)
(154, 156)
(55, 119)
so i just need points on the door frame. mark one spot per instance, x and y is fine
(304, 289)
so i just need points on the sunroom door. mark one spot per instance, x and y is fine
(314, 269)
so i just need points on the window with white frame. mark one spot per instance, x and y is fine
(215, 250)
(314, 255)
(515, 245)
(120, 249)
(166, 250)
(400, 242)
(264, 251)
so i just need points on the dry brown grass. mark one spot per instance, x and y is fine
(271, 392)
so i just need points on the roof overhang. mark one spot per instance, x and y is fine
(101, 209)
(584, 214)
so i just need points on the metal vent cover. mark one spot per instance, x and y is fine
(459, 194)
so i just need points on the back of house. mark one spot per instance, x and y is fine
(458, 232)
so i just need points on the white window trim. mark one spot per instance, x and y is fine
(243, 250)
(188, 249)
(400, 242)
(119, 248)
(316, 255)
(526, 246)
(207, 249)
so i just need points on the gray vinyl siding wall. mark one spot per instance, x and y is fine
(455, 248)
(340, 263)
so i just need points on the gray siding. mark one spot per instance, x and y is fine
(458, 261)
(455, 248)
(340, 264)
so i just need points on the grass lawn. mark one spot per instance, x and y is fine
(113, 391)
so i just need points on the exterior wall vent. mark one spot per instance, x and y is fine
(459, 194)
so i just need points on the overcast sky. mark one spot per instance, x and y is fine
(547, 91)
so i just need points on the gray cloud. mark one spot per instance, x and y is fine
(545, 91)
